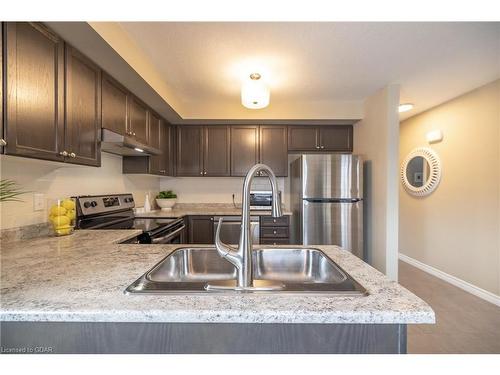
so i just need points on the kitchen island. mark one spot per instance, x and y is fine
(67, 293)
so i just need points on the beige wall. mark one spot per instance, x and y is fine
(376, 140)
(457, 228)
(57, 180)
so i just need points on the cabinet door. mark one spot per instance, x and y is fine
(303, 138)
(155, 140)
(35, 91)
(189, 161)
(244, 149)
(217, 146)
(336, 138)
(139, 120)
(154, 124)
(166, 145)
(273, 149)
(201, 229)
(114, 106)
(83, 109)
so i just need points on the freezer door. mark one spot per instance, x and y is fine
(332, 176)
(333, 223)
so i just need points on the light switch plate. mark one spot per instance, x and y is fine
(38, 202)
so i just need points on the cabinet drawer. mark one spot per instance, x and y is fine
(274, 241)
(271, 232)
(269, 221)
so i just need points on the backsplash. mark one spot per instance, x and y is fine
(215, 189)
(56, 180)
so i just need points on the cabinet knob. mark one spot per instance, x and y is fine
(322, 146)
(133, 134)
(317, 146)
(204, 172)
(201, 173)
(274, 232)
(72, 155)
(2, 142)
(63, 153)
(274, 220)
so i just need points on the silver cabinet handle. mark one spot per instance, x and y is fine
(2, 142)
(322, 147)
(72, 155)
(201, 173)
(63, 153)
(204, 172)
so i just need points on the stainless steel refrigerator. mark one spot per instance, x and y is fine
(326, 193)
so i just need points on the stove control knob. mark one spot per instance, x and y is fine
(86, 204)
(93, 203)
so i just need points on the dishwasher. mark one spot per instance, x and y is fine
(231, 227)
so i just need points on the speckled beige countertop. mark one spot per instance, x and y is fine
(221, 209)
(82, 277)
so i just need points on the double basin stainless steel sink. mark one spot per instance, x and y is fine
(190, 270)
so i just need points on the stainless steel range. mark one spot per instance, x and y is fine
(117, 212)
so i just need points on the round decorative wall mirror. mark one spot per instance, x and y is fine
(421, 171)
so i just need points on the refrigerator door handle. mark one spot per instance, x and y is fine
(333, 200)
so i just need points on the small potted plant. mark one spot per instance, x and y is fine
(166, 200)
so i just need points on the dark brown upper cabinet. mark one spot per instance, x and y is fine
(114, 106)
(165, 164)
(83, 109)
(203, 151)
(336, 138)
(273, 148)
(160, 165)
(138, 120)
(34, 78)
(189, 156)
(325, 138)
(303, 138)
(154, 124)
(259, 144)
(216, 151)
(244, 148)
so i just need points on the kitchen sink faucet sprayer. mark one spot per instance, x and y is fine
(241, 257)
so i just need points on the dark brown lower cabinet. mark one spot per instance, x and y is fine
(274, 230)
(83, 109)
(201, 229)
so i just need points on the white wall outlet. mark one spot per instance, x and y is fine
(38, 202)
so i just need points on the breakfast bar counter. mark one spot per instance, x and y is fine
(76, 283)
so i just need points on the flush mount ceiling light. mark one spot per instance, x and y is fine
(254, 93)
(405, 107)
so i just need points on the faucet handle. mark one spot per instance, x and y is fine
(225, 251)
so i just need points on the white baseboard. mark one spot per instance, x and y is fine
(468, 287)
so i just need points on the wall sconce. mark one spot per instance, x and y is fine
(434, 136)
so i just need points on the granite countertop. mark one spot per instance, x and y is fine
(185, 209)
(82, 277)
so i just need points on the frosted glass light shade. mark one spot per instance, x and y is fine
(255, 94)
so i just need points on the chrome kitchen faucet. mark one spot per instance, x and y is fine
(241, 257)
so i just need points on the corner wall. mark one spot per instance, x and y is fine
(456, 229)
(376, 139)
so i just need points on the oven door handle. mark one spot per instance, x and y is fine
(169, 236)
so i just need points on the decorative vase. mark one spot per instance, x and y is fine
(166, 204)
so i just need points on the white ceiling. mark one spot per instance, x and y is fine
(315, 70)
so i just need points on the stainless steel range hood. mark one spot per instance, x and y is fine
(118, 144)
